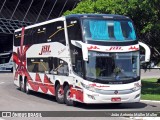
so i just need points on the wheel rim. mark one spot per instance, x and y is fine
(60, 94)
(68, 95)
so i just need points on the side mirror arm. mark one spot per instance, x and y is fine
(83, 46)
(147, 51)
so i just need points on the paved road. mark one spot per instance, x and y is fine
(12, 99)
(152, 73)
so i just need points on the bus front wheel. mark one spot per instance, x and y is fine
(67, 98)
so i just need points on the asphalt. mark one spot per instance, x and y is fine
(150, 73)
(12, 99)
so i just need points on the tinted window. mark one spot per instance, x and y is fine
(17, 38)
(74, 29)
(59, 67)
(39, 34)
(108, 30)
(37, 65)
(28, 37)
(55, 32)
(52, 32)
(75, 33)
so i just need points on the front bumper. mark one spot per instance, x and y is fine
(92, 97)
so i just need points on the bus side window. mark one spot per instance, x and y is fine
(37, 65)
(63, 68)
(50, 64)
(79, 68)
(31, 66)
(39, 34)
(60, 67)
(17, 38)
(55, 32)
(28, 37)
(35, 68)
(74, 29)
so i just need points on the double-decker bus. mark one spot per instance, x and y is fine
(87, 58)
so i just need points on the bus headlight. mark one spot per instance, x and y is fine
(90, 88)
(136, 87)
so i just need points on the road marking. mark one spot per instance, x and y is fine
(1, 82)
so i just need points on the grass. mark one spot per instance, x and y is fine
(150, 89)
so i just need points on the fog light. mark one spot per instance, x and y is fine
(91, 97)
(137, 96)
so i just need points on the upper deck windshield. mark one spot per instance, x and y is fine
(108, 30)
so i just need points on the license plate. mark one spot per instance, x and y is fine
(117, 99)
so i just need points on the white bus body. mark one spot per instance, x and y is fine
(6, 63)
(85, 58)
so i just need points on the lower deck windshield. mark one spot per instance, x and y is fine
(112, 66)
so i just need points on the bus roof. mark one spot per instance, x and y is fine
(78, 16)
(109, 16)
(42, 23)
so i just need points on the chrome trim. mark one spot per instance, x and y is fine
(112, 92)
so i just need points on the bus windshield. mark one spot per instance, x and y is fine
(103, 66)
(108, 30)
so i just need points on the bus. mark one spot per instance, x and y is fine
(6, 62)
(87, 58)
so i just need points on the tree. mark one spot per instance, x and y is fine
(144, 13)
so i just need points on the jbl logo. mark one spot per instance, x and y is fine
(45, 49)
(114, 48)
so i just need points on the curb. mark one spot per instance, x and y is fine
(150, 101)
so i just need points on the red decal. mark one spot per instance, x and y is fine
(93, 48)
(38, 79)
(44, 88)
(133, 48)
(40, 84)
(22, 39)
(114, 48)
(51, 89)
(49, 84)
(45, 49)
(20, 56)
(78, 94)
(33, 86)
(98, 86)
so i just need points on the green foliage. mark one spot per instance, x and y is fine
(144, 13)
(86, 6)
(150, 89)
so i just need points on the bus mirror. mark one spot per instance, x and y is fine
(85, 52)
(145, 58)
(83, 46)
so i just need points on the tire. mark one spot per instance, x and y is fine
(67, 99)
(27, 87)
(59, 96)
(21, 86)
(12, 69)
